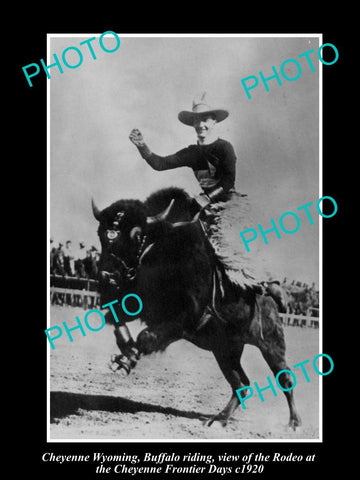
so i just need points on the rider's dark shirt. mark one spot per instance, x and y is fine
(213, 164)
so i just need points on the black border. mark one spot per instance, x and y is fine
(32, 398)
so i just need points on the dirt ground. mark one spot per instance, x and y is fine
(167, 395)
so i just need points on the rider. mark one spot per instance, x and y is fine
(213, 162)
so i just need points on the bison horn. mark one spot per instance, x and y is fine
(95, 210)
(161, 216)
(145, 252)
(184, 224)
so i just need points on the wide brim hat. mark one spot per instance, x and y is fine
(200, 109)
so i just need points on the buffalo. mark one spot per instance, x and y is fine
(159, 250)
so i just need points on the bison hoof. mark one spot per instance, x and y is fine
(220, 417)
(120, 362)
(294, 423)
(146, 342)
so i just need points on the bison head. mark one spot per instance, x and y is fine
(151, 248)
(122, 231)
(154, 234)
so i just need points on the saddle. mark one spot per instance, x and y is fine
(225, 290)
(221, 296)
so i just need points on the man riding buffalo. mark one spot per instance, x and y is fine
(158, 249)
(213, 162)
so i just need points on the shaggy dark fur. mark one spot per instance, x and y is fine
(174, 278)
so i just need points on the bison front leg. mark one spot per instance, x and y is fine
(129, 356)
(158, 338)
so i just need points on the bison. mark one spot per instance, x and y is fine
(159, 250)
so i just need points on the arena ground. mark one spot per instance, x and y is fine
(167, 396)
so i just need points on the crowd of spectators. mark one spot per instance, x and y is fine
(79, 261)
(303, 299)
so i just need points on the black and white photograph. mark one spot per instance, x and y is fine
(184, 300)
(185, 212)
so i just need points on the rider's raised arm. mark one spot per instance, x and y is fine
(183, 158)
(158, 162)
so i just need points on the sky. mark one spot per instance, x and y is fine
(144, 84)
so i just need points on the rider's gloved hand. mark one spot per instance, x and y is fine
(136, 137)
(202, 200)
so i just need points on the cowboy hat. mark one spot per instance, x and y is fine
(201, 108)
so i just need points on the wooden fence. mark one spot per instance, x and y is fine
(66, 281)
(73, 291)
(87, 297)
(291, 319)
(74, 297)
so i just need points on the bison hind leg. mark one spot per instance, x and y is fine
(228, 357)
(273, 351)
